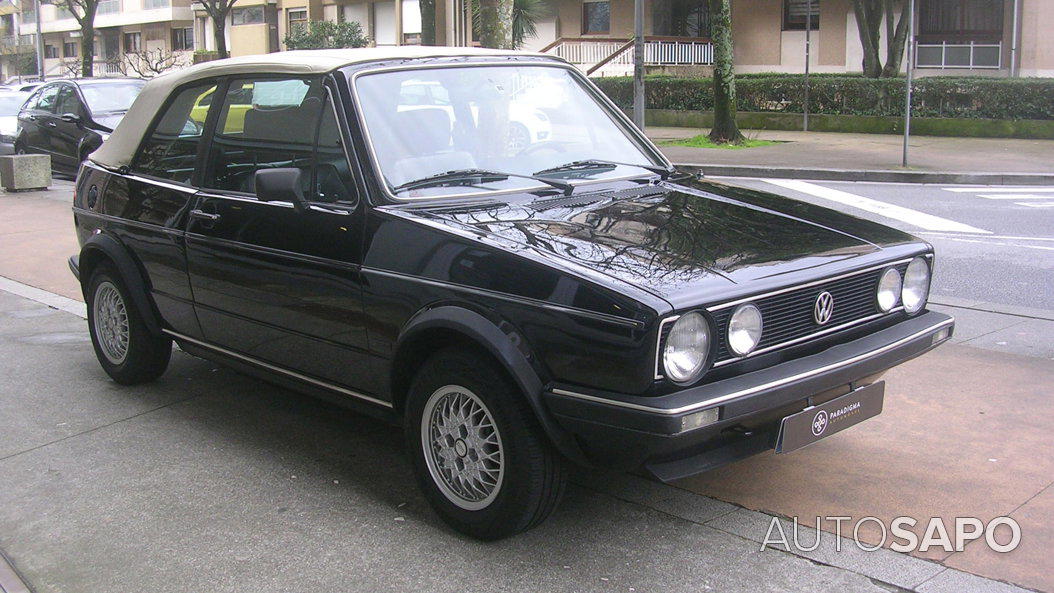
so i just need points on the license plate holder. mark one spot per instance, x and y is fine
(812, 424)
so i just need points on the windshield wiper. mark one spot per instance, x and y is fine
(595, 163)
(460, 176)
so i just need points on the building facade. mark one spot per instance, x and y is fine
(975, 37)
(128, 34)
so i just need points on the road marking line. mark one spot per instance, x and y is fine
(1035, 205)
(55, 301)
(999, 190)
(1006, 237)
(999, 243)
(1013, 197)
(912, 217)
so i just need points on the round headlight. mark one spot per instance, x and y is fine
(744, 330)
(687, 348)
(889, 290)
(916, 285)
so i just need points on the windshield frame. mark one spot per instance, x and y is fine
(619, 119)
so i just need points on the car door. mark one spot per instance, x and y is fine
(47, 120)
(31, 118)
(270, 282)
(66, 127)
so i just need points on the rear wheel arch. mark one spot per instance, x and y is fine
(105, 249)
(440, 327)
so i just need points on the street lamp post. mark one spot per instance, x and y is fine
(40, 42)
(908, 78)
(808, 28)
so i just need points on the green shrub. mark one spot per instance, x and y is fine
(965, 97)
(326, 35)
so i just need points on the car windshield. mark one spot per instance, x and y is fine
(103, 98)
(11, 104)
(520, 120)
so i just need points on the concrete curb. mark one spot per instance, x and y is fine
(881, 175)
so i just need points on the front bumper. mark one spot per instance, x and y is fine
(657, 433)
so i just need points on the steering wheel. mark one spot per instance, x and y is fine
(554, 145)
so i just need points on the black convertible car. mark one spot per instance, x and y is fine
(311, 218)
(68, 119)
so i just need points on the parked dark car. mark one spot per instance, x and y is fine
(68, 119)
(513, 307)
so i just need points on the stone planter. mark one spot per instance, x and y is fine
(23, 172)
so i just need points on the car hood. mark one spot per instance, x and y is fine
(688, 242)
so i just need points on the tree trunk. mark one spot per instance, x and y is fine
(897, 40)
(725, 129)
(869, 28)
(88, 45)
(428, 21)
(219, 28)
(495, 24)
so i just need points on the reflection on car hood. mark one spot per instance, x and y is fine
(680, 241)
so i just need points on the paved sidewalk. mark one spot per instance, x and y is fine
(863, 155)
(194, 475)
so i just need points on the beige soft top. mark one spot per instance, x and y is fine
(120, 148)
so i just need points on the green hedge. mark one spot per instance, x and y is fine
(961, 97)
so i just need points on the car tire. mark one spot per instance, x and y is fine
(519, 137)
(493, 473)
(20, 148)
(125, 347)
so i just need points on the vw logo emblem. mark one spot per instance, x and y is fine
(824, 308)
(819, 423)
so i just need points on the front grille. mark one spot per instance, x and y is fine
(788, 316)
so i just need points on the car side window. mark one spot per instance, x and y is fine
(333, 180)
(31, 102)
(265, 123)
(171, 149)
(48, 99)
(67, 101)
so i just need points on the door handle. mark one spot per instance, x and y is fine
(202, 215)
(50, 124)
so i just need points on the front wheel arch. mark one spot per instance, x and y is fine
(439, 327)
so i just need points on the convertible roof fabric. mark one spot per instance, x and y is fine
(119, 149)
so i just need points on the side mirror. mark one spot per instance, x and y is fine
(70, 118)
(281, 185)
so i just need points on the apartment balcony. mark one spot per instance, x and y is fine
(612, 56)
(112, 13)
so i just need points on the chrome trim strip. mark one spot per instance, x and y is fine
(618, 118)
(278, 369)
(508, 297)
(658, 346)
(808, 337)
(165, 184)
(128, 222)
(751, 390)
(806, 285)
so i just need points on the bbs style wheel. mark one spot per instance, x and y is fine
(126, 349)
(480, 457)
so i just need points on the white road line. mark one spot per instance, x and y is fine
(1000, 190)
(1014, 197)
(1004, 237)
(55, 301)
(999, 243)
(912, 217)
(1035, 205)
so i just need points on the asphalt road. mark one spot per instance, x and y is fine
(994, 244)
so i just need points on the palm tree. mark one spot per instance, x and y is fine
(725, 129)
(492, 28)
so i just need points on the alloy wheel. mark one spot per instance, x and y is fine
(110, 317)
(463, 448)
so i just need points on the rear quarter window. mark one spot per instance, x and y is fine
(171, 150)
